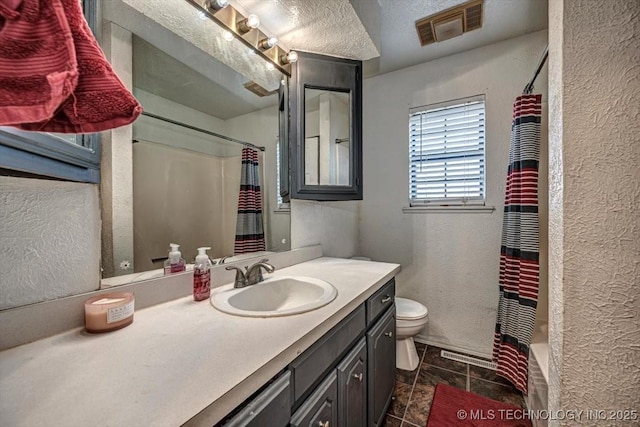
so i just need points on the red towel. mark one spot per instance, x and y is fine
(99, 101)
(38, 68)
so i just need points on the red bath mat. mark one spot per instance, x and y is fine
(452, 407)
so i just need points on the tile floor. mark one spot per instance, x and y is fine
(414, 389)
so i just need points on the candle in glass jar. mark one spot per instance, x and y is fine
(108, 312)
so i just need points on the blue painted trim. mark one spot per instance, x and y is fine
(45, 155)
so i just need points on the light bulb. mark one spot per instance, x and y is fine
(247, 24)
(253, 21)
(268, 43)
(289, 58)
(270, 66)
(216, 5)
(227, 35)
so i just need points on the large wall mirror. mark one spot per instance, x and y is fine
(326, 128)
(187, 153)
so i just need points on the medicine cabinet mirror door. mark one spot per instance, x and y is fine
(326, 128)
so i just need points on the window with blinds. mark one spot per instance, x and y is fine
(446, 153)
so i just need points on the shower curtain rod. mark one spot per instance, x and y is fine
(208, 132)
(529, 87)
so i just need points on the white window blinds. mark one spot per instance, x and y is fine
(446, 152)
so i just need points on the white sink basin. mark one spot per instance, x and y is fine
(276, 296)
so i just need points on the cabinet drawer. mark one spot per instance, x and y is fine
(313, 363)
(270, 408)
(321, 408)
(379, 302)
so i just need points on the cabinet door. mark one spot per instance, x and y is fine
(352, 387)
(321, 408)
(381, 349)
(270, 408)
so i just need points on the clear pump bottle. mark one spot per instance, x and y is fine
(175, 263)
(202, 275)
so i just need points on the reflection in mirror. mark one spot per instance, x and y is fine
(326, 133)
(187, 180)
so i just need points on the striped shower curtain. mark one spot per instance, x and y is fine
(249, 229)
(519, 266)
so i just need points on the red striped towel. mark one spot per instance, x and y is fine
(38, 68)
(98, 101)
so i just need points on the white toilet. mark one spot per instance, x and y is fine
(411, 317)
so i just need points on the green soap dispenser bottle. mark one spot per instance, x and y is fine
(202, 275)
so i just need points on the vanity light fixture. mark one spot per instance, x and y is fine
(247, 24)
(215, 5)
(268, 43)
(289, 58)
(246, 30)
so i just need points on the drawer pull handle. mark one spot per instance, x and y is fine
(358, 376)
(386, 299)
(323, 424)
(388, 334)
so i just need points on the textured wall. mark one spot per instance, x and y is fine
(50, 234)
(450, 261)
(334, 225)
(594, 223)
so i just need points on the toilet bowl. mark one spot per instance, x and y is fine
(411, 317)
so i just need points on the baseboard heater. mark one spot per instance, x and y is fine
(468, 359)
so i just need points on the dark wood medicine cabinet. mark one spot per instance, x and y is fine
(324, 135)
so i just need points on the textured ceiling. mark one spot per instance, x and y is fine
(380, 32)
(503, 19)
(330, 27)
(335, 27)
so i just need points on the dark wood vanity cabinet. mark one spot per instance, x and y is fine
(345, 379)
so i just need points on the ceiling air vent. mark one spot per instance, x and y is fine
(450, 23)
(258, 90)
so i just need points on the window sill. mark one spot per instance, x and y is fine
(282, 211)
(448, 209)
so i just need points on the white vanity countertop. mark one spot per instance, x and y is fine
(177, 360)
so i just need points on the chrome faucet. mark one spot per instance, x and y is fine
(221, 260)
(252, 274)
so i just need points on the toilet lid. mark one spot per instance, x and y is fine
(409, 309)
